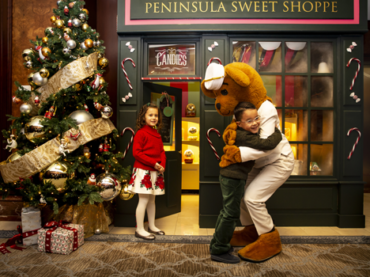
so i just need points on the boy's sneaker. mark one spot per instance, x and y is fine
(226, 258)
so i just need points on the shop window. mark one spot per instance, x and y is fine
(299, 77)
(245, 52)
(269, 56)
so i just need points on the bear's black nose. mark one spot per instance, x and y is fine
(218, 105)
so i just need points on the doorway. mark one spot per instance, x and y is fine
(182, 168)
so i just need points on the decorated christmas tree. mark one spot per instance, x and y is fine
(63, 137)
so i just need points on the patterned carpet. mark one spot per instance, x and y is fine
(96, 258)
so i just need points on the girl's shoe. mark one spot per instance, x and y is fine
(150, 237)
(160, 233)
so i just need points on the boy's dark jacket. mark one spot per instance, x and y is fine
(246, 138)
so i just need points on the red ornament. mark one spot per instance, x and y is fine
(49, 114)
(92, 180)
(37, 100)
(101, 147)
(70, 23)
(106, 147)
(66, 37)
(66, 10)
(86, 107)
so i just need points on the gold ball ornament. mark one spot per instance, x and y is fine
(13, 157)
(101, 81)
(67, 30)
(78, 86)
(26, 53)
(56, 174)
(86, 11)
(30, 79)
(46, 51)
(59, 23)
(89, 43)
(85, 26)
(33, 128)
(53, 18)
(103, 62)
(44, 73)
(45, 40)
(27, 58)
(125, 194)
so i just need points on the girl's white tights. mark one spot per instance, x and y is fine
(146, 202)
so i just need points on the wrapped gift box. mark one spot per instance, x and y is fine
(62, 241)
(31, 220)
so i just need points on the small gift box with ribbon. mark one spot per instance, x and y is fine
(59, 238)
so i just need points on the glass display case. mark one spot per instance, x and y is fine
(298, 76)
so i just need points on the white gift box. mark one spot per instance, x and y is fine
(31, 220)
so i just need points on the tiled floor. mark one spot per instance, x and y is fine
(186, 223)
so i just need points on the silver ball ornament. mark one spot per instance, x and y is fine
(97, 43)
(97, 232)
(76, 22)
(81, 116)
(111, 185)
(66, 51)
(82, 17)
(83, 46)
(34, 129)
(29, 64)
(71, 44)
(106, 112)
(39, 80)
(25, 108)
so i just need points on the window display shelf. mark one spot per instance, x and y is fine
(191, 119)
(192, 142)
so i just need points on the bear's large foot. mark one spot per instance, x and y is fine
(265, 247)
(244, 237)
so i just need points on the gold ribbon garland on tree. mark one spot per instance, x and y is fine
(46, 154)
(69, 75)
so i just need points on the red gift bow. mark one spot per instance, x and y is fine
(11, 242)
(54, 225)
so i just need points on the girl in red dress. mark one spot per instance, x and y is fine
(150, 161)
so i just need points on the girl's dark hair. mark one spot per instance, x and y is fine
(140, 121)
(241, 107)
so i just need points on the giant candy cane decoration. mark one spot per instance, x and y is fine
(357, 71)
(124, 71)
(357, 140)
(132, 138)
(214, 58)
(210, 142)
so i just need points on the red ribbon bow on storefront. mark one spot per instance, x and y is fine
(54, 225)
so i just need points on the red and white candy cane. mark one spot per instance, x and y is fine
(214, 58)
(210, 142)
(124, 71)
(357, 140)
(358, 70)
(132, 138)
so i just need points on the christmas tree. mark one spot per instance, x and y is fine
(63, 137)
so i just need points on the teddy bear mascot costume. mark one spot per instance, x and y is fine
(239, 82)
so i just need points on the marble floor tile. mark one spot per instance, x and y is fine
(9, 225)
(123, 231)
(321, 231)
(291, 231)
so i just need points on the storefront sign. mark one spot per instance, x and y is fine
(171, 59)
(182, 9)
(233, 16)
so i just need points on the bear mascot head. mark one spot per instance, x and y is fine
(234, 83)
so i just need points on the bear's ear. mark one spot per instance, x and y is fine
(239, 76)
(208, 93)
